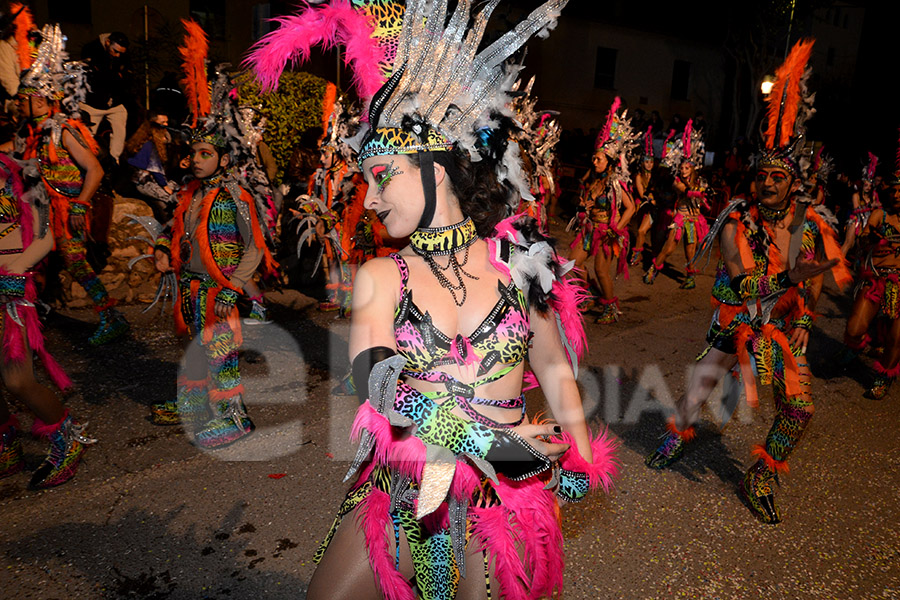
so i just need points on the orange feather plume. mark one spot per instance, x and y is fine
(24, 24)
(785, 97)
(328, 101)
(193, 54)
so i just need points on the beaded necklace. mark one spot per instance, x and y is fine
(429, 242)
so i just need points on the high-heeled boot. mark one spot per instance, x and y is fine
(67, 444)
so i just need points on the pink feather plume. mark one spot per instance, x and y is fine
(328, 26)
(610, 117)
(605, 465)
(686, 140)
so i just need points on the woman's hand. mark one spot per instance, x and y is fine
(162, 261)
(533, 434)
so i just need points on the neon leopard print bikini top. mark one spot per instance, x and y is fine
(501, 338)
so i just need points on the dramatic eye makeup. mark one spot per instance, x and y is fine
(204, 154)
(382, 174)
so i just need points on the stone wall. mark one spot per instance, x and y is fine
(126, 286)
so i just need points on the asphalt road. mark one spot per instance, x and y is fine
(151, 516)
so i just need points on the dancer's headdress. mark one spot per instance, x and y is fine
(617, 138)
(23, 30)
(895, 176)
(442, 93)
(648, 143)
(790, 106)
(822, 165)
(537, 135)
(689, 148)
(51, 75)
(868, 173)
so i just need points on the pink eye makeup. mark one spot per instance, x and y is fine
(382, 174)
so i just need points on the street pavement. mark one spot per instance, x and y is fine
(151, 516)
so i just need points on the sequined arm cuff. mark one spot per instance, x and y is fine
(804, 322)
(760, 286)
(12, 286)
(77, 208)
(227, 296)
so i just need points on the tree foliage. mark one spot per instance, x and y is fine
(294, 108)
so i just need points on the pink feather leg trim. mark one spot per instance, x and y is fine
(43, 430)
(605, 465)
(392, 446)
(882, 370)
(501, 537)
(374, 518)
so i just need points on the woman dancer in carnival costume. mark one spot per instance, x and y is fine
(865, 200)
(52, 133)
(878, 291)
(684, 158)
(25, 239)
(605, 209)
(456, 492)
(647, 205)
(770, 249)
(214, 245)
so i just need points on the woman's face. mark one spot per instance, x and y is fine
(395, 193)
(648, 163)
(600, 161)
(867, 185)
(687, 169)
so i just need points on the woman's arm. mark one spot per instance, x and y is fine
(547, 359)
(628, 208)
(375, 298)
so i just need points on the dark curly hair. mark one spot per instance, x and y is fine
(480, 193)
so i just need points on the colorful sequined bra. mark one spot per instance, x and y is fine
(63, 175)
(501, 339)
(9, 216)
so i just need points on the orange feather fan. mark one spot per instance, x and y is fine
(785, 97)
(193, 54)
(24, 24)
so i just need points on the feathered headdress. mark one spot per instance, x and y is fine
(617, 138)
(537, 134)
(51, 75)
(340, 121)
(895, 179)
(668, 144)
(367, 30)
(869, 169)
(790, 106)
(822, 166)
(648, 142)
(690, 148)
(193, 62)
(23, 25)
(441, 92)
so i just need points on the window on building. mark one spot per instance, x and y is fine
(681, 79)
(846, 21)
(837, 17)
(605, 71)
(210, 14)
(829, 58)
(71, 11)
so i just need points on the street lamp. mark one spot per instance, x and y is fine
(767, 84)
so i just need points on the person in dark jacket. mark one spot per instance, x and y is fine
(109, 75)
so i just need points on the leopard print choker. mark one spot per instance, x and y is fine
(773, 215)
(441, 241)
(429, 242)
